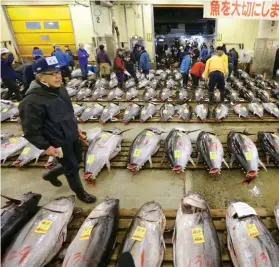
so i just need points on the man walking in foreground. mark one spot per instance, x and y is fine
(215, 71)
(48, 122)
(103, 62)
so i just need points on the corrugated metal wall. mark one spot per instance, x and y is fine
(41, 26)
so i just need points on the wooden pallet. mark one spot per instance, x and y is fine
(159, 161)
(126, 216)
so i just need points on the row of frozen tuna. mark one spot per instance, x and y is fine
(178, 149)
(168, 111)
(104, 145)
(35, 242)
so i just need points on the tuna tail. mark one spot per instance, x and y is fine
(16, 201)
(132, 167)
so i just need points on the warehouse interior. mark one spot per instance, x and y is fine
(122, 24)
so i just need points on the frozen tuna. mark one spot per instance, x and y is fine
(91, 112)
(220, 112)
(256, 109)
(167, 111)
(202, 111)
(131, 112)
(269, 143)
(115, 93)
(185, 112)
(132, 93)
(182, 94)
(83, 93)
(272, 109)
(99, 93)
(147, 112)
(149, 94)
(109, 112)
(240, 110)
(165, 94)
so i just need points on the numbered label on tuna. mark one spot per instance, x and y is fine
(4, 110)
(143, 112)
(87, 110)
(197, 234)
(139, 233)
(127, 112)
(137, 152)
(148, 133)
(248, 155)
(86, 232)
(76, 105)
(104, 135)
(252, 230)
(90, 159)
(177, 154)
(213, 155)
(165, 111)
(43, 227)
(26, 151)
(14, 139)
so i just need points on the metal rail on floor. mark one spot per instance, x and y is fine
(158, 160)
(126, 216)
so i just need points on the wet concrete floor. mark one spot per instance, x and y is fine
(160, 185)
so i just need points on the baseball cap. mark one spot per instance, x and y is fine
(4, 50)
(45, 64)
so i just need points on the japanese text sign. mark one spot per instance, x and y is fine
(267, 10)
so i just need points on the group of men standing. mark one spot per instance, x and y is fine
(125, 62)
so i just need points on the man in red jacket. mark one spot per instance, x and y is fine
(119, 67)
(196, 72)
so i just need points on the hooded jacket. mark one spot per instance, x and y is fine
(7, 70)
(144, 61)
(47, 116)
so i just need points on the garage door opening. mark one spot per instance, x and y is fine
(182, 25)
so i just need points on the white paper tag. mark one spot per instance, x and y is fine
(242, 209)
(51, 60)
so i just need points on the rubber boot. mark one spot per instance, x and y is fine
(81, 194)
(222, 94)
(211, 96)
(52, 175)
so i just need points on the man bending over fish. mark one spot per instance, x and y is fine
(48, 122)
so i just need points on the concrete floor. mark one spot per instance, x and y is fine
(163, 186)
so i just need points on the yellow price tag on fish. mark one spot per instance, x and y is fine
(179, 134)
(104, 135)
(212, 155)
(204, 110)
(26, 150)
(177, 154)
(260, 108)
(252, 230)
(76, 105)
(165, 111)
(126, 112)
(96, 105)
(186, 110)
(275, 136)
(86, 232)
(139, 233)
(211, 136)
(218, 109)
(17, 104)
(143, 111)
(90, 159)
(243, 108)
(105, 110)
(248, 155)
(180, 93)
(87, 110)
(43, 227)
(150, 105)
(163, 93)
(197, 235)
(4, 110)
(275, 109)
(137, 152)
(148, 133)
(14, 139)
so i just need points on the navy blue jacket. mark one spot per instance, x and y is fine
(204, 53)
(70, 55)
(61, 57)
(7, 70)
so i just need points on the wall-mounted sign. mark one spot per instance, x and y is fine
(267, 10)
(149, 37)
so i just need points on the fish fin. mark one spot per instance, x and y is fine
(227, 165)
(150, 161)
(193, 163)
(16, 201)
(232, 160)
(262, 164)
(164, 156)
(198, 158)
(267, 159)
(108, 165)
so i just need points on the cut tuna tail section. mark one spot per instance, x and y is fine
(132, 167)
(214, 171)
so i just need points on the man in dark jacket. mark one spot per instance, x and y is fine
(235, 57)
(48, 122)
(9, 75)
(103, 62)
(129, 65)
(276, 64)
(136, 54)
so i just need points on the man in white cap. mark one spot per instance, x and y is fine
(8, 74)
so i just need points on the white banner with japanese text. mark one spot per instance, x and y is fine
(267, 10)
